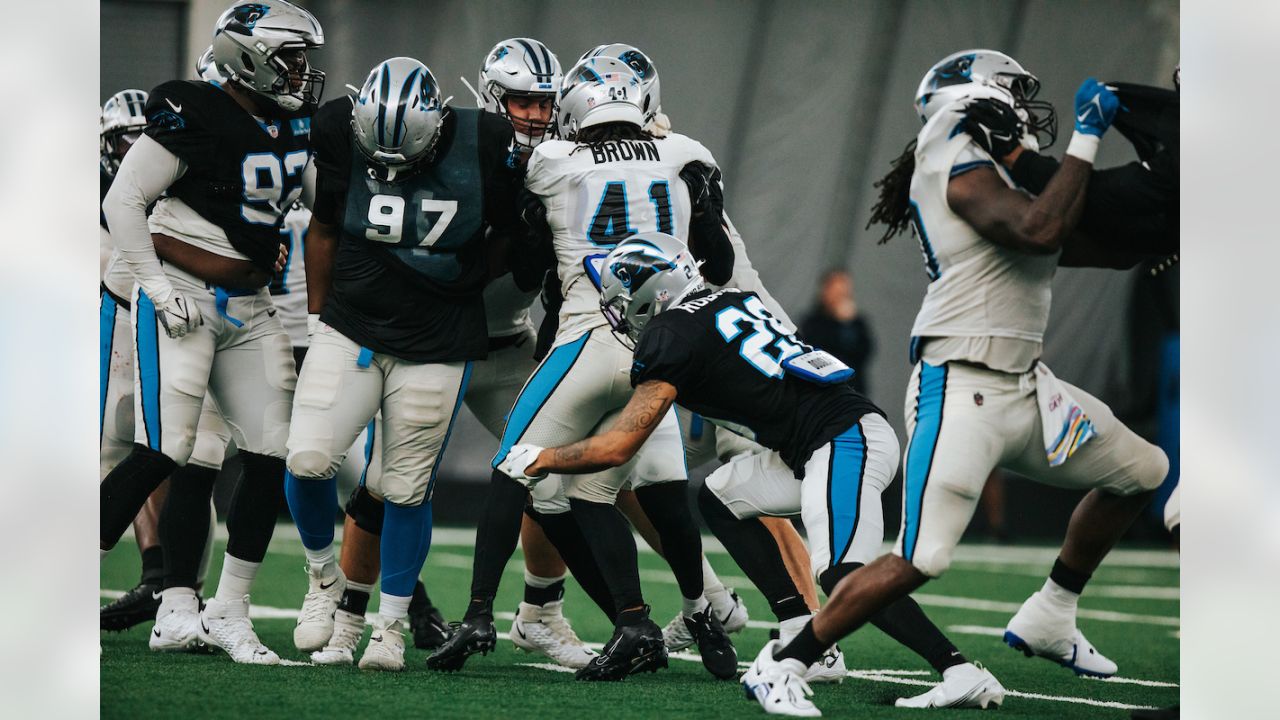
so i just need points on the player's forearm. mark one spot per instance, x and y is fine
(710, 244)
(1054, 214)
(144, 174)
(320, 251)
(586, 456)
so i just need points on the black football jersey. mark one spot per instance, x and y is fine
(722, 353)
(243, 172)
(412, 259)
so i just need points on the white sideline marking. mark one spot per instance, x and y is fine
(1132, 681)
(1134, 592)
(1008, 607)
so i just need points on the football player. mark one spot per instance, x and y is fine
(229, 160)
(979, 397)
(702, 443)
(829, 453)
(593, 190)
(407, 189)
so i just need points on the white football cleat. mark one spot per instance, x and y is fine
(1041, 628)
(385, 650)
(227, 625)
(830, 668)
(675, 635)
(962, 686)
(177, 625)
(341, 648)
(532, 632)
(729, 609)
(315, 619)
(778, 685)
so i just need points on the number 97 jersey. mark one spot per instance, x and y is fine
(600, 194)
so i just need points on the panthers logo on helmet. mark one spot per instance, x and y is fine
(249, 14)
(635, 268)
(956, 72)
(638, 62)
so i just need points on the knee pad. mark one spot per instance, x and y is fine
(932, 564)
(1154, 469)
(311, 464)
(210, 448)
(365, 511)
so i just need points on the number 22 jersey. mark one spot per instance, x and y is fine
(722, 351)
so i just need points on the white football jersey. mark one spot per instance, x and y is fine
(598, 195)
(115, 273)
(977, 288)
(289, 286)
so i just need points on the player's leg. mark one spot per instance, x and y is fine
(553, 407)
(549, 508)
(253, 382)
(1123, 471)
(338, 394)
(359, 560)
(794, 555)
(420, 404)
(185, 531)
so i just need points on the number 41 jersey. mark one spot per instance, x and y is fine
(723, 352)
(598, 195)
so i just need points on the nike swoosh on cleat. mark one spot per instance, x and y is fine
(322, 585)
(155, 631)
(176, 108)
(204, 627)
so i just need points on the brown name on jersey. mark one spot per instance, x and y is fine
(619, 150)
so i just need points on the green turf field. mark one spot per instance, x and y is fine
(1130, 611)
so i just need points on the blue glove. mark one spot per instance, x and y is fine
(1096, 107)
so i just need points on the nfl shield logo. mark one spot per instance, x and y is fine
(273, 131)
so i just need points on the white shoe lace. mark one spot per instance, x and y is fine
(561, 629)
(795, 690)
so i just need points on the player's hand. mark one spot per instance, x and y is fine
(534, 215)
(178, 315)
(994, 126)
(282, 259)
(1096, 107)
(519, 461)
(705, 193)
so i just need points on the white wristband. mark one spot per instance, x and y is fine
(1084, 147)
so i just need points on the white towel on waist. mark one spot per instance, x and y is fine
(1066, 427)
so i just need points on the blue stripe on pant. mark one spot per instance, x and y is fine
(148, 359)
(924, 441)
(369, 439)
(544, 382)
(846, 468)
(457, 405)
(106, 338)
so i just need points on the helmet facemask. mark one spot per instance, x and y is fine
(529, 133)
(1040, 117)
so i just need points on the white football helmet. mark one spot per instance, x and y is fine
(973, 74)
(121, 122)
(643, 276)
(398, 115)
(207, 69)
(598, 90)
(651, 102)
(520, 67)
(262, 46)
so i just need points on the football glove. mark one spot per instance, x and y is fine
(534, 214)
(994, 126)
(705, 193)
(178, 315)
(1096, 107)
(518, 460)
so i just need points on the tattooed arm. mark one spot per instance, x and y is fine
(616, 445)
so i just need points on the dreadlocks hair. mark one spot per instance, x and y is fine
(596, 134)
(893, 209)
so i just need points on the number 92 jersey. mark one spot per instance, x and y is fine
(723, 352)
(242, 172)
(600, 194)
(411, 263)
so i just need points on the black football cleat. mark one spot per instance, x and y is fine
(135, 607)
(466, 639)
(429, 629)
(718, 654)
(632, 649)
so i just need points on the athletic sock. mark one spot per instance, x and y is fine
(184, 524)
(691, 606)
(124, 490)
(564, 532)
(614, 550)
(753, 548)
(255, 505)
(393, 607)
(406, 538)
(152, 565)
(237, 578)
(788, 629)
(313, 502)
(805, 647)
(667, 507)
(540, 591)
(355, 599)
(1064, 581)
(496, 537)
(710, 581)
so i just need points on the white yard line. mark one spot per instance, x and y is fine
(1008, 607)
(976, 630)
(1134, 592)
